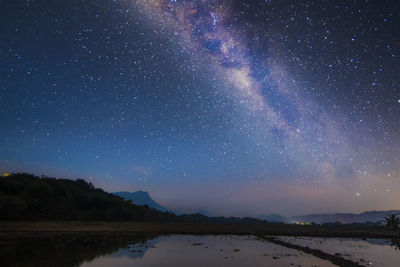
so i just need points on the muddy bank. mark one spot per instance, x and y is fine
(190, 228)
(315, 252)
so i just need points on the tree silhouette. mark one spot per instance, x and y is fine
(392, 221)
(395, 243)
(28, 197)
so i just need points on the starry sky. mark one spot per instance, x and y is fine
(233, 107)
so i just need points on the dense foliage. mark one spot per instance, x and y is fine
(392, 221)
(28, 197)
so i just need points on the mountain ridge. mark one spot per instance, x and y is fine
(140, 198)
(373, 216)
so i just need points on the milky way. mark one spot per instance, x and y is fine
(285, 114)
(262, 106)
(304, 129)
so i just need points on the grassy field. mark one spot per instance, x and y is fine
(21, 228)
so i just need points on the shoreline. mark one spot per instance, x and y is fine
(79, 227)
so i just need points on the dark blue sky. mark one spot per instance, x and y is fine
(236, 108)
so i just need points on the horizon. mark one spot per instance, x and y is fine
(199, 210)
(192, 210)
(240, 108)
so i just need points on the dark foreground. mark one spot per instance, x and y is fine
(76, 243)
(27, 228)
(88, 249)
(335, 259)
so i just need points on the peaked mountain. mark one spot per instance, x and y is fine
(140, 198)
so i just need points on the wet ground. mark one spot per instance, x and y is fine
(186, 250)
(365, 252)
(120, 250)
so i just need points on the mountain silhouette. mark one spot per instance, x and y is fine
(367, 216)
(273, 218)
(140, 198)
(27, 197)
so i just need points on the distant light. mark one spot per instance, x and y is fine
(357, 194)
(6, 174)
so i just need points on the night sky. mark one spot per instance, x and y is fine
(232, 107)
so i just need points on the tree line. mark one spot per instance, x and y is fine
(27, 197)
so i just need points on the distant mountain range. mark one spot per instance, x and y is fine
(368, 216)
(141, 198)
(144, 198)
(273, 218)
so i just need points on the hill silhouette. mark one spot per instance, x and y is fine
(28, 197)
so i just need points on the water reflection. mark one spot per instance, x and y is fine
(62, 250)
(220, 250)
(138, 249)
(365, 252)
(395, 243)
(120, 250)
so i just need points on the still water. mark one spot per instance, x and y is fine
(188, 250)
(368, 252)
(181, 250)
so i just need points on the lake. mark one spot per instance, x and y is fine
(190, 250)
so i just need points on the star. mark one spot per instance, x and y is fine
(257, 98)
